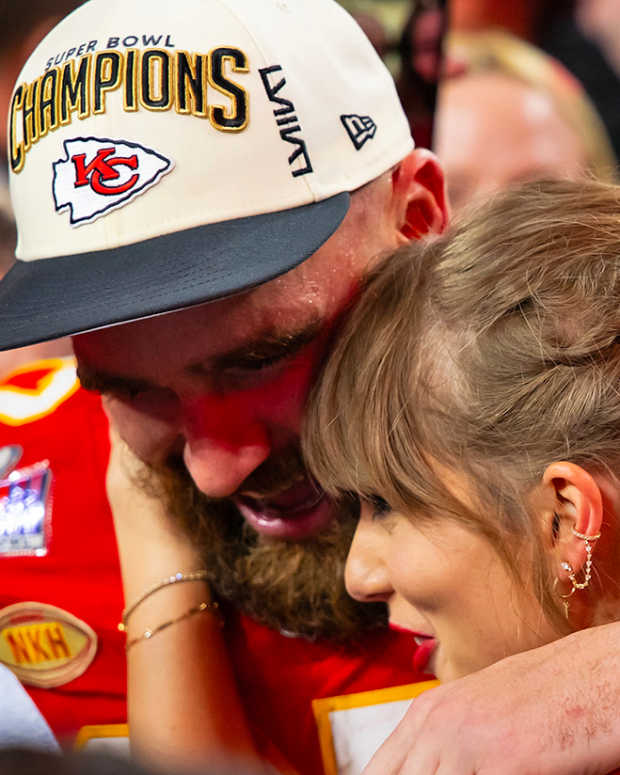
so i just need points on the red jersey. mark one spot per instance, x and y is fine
(54, 451)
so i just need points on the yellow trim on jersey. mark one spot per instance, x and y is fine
(96, 731)
(323, 707)
(19, 406)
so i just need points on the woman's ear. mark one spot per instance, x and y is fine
(576, 511)
(419, 196)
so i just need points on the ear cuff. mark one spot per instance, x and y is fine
(587, 572)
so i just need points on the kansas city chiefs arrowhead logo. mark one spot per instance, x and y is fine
(98, 175)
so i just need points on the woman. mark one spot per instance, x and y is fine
(473, 405)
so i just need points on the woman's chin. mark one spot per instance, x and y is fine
(446, 669)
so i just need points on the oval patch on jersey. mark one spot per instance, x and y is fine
(43, 645)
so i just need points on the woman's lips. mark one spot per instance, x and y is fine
(425, 646)
(297, 513)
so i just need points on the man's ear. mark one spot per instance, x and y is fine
(577, 505)
(419, 196)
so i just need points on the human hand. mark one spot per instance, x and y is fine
(126, 476)
(549, 711)
(183, 703)
(151, 546)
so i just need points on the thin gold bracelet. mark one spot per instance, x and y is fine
(176, 578)
(212, 607)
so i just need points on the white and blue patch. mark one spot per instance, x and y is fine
(25, 511)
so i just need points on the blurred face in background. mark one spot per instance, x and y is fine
(492, 131)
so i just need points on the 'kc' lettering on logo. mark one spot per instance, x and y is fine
(102, 169)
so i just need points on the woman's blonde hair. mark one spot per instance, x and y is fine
(494, 351)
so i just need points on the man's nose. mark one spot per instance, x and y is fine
(366, 575)
(223, 446)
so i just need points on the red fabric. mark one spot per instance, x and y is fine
(278, 676)
(80, 573)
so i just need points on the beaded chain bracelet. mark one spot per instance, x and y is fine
(151, 632)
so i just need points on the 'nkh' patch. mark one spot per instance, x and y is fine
(44, 645)
(98, 175)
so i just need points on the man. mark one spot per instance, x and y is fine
(231, 196)
(218, 94)
(521, 109)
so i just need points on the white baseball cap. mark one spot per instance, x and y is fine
(163, 154)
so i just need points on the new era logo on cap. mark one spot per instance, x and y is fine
(98, 175)
(359, 128)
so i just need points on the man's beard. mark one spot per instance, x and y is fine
(297, 587)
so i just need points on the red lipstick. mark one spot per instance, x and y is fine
(425, 645)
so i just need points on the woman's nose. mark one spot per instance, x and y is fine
(366, 574)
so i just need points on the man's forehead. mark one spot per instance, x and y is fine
(206, 331)
(315, 291)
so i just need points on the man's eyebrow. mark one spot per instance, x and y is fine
(271, 345)
(102, 382)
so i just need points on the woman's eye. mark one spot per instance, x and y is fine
(380, 507)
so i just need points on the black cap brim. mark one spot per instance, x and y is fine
(49, 298)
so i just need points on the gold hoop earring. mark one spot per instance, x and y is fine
(569, 568)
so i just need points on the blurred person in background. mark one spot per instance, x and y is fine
(512, 114)
(407, 35)
(420, 49)
(582, 34)
(600, 21)
(585, 37)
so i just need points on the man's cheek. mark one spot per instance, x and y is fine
(150, 438)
